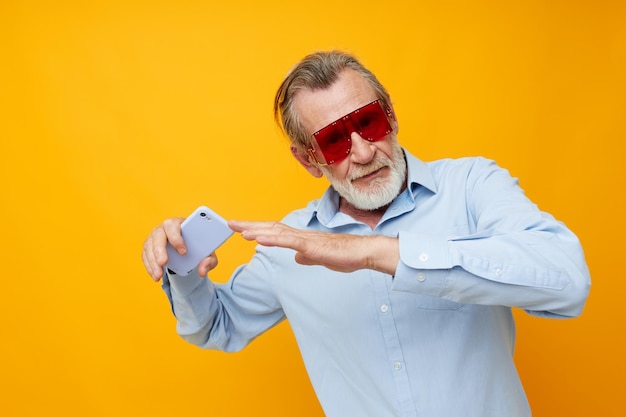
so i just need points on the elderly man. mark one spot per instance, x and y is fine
(399, 281)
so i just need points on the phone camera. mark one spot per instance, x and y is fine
(203, 214)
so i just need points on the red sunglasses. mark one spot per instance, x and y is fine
(332, 143)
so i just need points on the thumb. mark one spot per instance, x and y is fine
(207, 264)
(304, 260)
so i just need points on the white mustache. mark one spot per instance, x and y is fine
(374, 166)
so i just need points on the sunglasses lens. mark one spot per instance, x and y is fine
(372, 122)
(332, 143)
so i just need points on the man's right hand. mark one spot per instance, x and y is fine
(155, 254)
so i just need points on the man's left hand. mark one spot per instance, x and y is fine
(339, 252)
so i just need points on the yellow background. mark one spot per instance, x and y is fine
(117, 114)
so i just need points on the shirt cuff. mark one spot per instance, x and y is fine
(424, 265)
(184, 286)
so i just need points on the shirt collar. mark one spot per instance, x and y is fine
(419, 174)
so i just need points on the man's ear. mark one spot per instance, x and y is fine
(305, 160)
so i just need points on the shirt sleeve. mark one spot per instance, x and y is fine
(226, 316)
(517, 256)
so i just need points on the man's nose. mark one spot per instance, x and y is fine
(363, 151)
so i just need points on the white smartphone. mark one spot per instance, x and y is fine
(203, 232)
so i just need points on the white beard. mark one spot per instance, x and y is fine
(381, 191)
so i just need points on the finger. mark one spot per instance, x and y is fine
(173, 235)
(153, 270)
(148, 254)
(236, 225)
(252, 230)
(155, 246)
(269, 233)
(282, 237)
(241, 226)
(272, 238)
(304, 260)
(207, 264)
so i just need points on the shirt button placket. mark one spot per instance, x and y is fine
(393, 346)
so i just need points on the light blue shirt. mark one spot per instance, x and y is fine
(436, 339)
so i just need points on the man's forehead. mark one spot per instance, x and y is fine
(317, 108)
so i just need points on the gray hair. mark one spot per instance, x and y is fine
(317, 71)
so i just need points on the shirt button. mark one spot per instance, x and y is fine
(421, 277)
(423, 257)
(397, 366)
(497, 272)
(384, 308)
